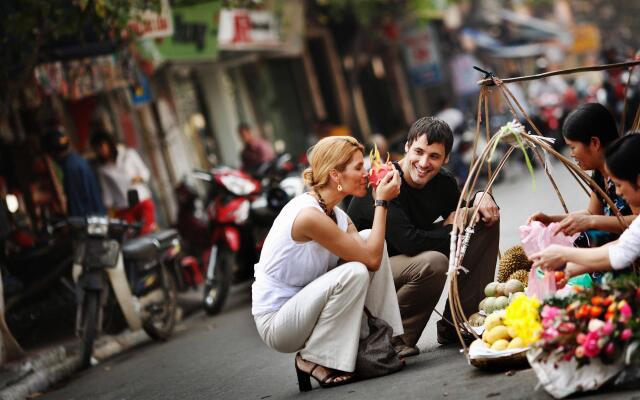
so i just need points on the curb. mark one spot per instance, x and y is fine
(52, 366)
(39, 372)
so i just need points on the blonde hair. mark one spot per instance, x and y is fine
(333, 152)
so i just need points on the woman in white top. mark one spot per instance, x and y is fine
(624, 168)
(316, 272)
(120, 170)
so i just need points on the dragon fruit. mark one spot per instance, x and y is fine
(378, 169)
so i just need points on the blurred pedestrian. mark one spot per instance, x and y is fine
(80, 185)
(256, 150)
(120, 170)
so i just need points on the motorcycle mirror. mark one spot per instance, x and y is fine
(132, 197)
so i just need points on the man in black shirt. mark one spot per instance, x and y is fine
(418, 246)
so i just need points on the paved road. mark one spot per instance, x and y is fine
(223, 357)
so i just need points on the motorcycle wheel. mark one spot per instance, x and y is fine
(89, 327)
(160, 323)
(217, 290)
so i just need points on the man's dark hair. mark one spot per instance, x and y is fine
(622, 158)
(55, 142)
(101, 136)
(243, 126)
(437, 131)
(590, 120)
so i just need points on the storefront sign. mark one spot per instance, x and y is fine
(245, 29)
(422, 56)
(151, 24)
(194, 33)
(84, 77)
(242, 30)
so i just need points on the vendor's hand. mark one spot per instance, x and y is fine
(574, 223)
(389, 186)
(541, 217)
(487, 209)
(550, 259)
(451, 219)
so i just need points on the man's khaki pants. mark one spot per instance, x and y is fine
(419, 281)
(323, 320)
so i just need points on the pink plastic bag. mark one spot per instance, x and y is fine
(541, 287)
(537, 236)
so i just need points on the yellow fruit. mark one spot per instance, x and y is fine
(492, 321)
(485, 334)
(478, 343)
(500, 344)
(516, 343)
(497, 333)
(512, 332)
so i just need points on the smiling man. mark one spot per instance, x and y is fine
(418, 246)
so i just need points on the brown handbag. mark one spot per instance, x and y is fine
(376, 356)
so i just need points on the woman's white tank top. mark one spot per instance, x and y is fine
(286, 266)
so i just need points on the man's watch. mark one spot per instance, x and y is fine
(382, 203)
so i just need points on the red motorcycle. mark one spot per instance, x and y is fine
(222, 237)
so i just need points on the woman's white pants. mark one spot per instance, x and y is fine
(323, 320)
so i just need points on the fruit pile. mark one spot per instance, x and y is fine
(497, 336)
(490, 318)
(498, 298)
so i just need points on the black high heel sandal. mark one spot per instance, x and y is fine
(304, 378)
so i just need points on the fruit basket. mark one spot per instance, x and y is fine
(491, 360)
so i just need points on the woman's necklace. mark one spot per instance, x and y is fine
(331, 214)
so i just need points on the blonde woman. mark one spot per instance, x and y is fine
(316, 272)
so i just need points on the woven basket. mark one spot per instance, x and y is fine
(506, 362)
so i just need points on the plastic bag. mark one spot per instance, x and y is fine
(563, 378)
(541, 287)
(537, 236)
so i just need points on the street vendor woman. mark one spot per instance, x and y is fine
(419, 246)
(624, 169)
(316, 272)
(588, 130)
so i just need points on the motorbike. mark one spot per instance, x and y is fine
(117, 274)
(36, 276)
(281, 180)
(223, 238)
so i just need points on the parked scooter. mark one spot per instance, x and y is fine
(281, 180)
(132, 271)
(225, 243)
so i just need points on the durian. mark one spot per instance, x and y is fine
(521, 275)
(512, 260)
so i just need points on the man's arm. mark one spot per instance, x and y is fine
(410, 240)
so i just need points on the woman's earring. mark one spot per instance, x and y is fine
(339, 187)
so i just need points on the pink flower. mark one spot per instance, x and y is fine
(591, 345)
(591, 348)
(550, 333)
(566, 327)
(626, 334)
(625, 311)
(549, 312)
(609, 348)
(608, 328)
(581, 338)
